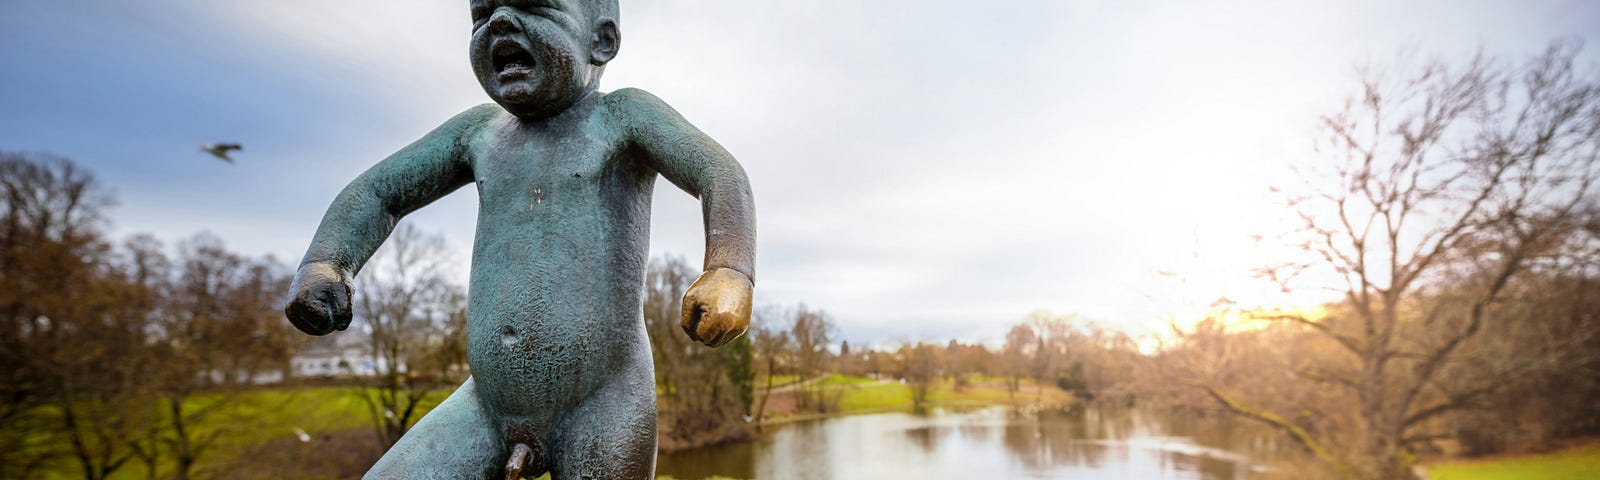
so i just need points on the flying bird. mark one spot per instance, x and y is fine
(220, 150)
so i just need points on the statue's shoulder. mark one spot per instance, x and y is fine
(466, 127)
(475, 117)
(628, 99)
(640, 112)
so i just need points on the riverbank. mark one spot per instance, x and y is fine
(851, 395)
(1573, 462)
(837, 395)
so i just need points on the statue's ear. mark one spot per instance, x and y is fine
(606, 42)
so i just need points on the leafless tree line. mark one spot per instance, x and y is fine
(129, 355)
(119, 354)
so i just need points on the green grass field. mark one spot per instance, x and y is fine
(315, 410)
(834, 379)
(873, 396)
(1575, 463)
(269, 414)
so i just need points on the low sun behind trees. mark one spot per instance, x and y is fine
(1457, 205)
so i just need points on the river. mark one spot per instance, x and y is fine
(991, 443)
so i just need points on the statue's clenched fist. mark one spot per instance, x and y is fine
(716, 309)
(321, 299)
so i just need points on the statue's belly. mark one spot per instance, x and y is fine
(551, 317)
(557, 279)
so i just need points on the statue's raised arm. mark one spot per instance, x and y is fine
(364, 213)
(716, 309)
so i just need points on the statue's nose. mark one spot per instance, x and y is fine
(501, 23)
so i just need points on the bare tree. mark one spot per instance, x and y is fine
(769, 337)
(50, 217)
(810, 332)
(665, 282)
(1443, 186)
(1021, 342)
(967, 359)
(218, 330)
(403, 298)
(1547, 360)
(920, 369)
(706, 394)
(448, 346)
(73, 330)
(1053, 338)
(116, 357)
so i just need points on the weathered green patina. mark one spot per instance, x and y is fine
(562, 377)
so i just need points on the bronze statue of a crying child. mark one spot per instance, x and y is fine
(562, 378)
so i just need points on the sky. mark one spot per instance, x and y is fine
(923, 169)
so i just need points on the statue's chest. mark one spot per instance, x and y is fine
(537, 173)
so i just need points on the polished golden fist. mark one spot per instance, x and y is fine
(716, 309)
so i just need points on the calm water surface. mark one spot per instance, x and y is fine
(993, 443)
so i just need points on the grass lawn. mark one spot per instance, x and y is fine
(875, 396)
(880, 396)
(1574, 463)
(837, 379)
(316, 410)
(250, 418)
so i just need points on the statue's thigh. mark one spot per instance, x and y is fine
(454, 441)
(612, 434)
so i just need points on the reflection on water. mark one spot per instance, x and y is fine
(1094, 442)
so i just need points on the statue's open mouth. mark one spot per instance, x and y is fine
(511, 60)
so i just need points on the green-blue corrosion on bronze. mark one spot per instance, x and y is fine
(561, 372)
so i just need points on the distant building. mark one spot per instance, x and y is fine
(342, 355)
(242, 376)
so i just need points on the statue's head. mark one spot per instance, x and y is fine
(538, 57)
